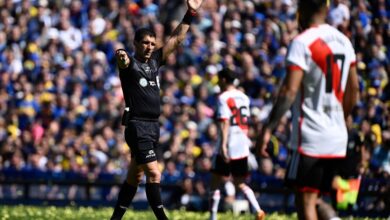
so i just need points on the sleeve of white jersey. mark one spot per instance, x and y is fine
(297, 55)
(223, 110)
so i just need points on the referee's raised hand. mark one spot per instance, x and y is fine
(122, 59)
(194, 4)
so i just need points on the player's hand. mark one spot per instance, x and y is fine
(122, 58)
(225, 155)
(194, 4)
(262, 142)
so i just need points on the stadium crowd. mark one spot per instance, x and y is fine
(61, 100)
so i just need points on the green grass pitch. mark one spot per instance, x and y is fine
(88, 213)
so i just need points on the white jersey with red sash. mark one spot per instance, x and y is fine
(233, 105)
(325, 55)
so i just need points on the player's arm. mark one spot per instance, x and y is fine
(224, 125)
(122, 59)
(351, 94)
(286, 96)
(285, 99)
(180, 32)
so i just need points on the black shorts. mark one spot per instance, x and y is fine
(237, 168)
(310, 173)
(142, 138)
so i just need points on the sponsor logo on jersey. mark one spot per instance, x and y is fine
(146, 68)
(143, 82)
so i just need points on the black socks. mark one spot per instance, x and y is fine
(154, 199)
(127, 193)
(125, 196)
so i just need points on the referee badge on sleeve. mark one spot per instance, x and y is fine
(143, 82)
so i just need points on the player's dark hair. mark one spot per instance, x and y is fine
(142, 32)
(227, 74)
(308, 8)
(312, 6)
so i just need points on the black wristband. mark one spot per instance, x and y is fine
(189, 16)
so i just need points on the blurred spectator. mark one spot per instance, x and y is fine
(339, 14)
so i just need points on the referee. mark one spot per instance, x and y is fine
(140, 86)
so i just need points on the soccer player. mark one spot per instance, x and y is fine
(231, 156)
(140, 86)
(322, 86)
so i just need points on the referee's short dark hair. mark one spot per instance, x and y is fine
(228, 74)
(142, 32)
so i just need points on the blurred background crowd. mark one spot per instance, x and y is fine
(61, 100)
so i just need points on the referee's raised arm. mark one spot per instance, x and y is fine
(179, 33)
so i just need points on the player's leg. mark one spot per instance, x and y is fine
(332, 167)
(305, 202)
(134, 176)
(325, 211)
(305, 176)
(229, 193)
(218, 170)
(214, 195)
(239, 169)
(148, 135)
(128, 190)
(152, 188)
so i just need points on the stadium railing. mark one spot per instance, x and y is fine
(28, 191)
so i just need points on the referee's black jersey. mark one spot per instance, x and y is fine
(140, 86)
